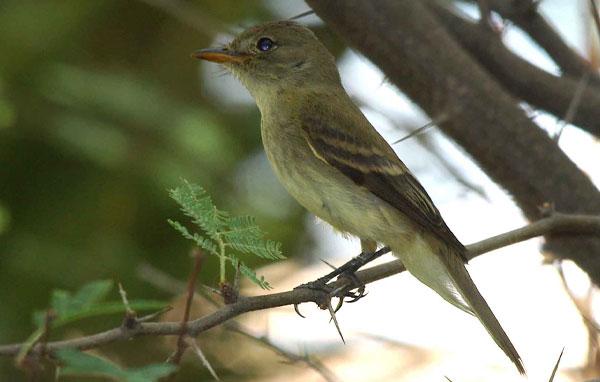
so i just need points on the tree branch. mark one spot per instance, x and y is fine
(556, 224)
(525, 15)
(526, 81)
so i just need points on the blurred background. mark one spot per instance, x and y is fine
(102, 111)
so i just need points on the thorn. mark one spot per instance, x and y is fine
(194, 345)
(339, 305)
(152, 316)
(329, 264)
(128, 310)
(301, 15)
(441, 119)
(556, 366)
(335, 321)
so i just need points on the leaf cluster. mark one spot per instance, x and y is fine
(227, 237)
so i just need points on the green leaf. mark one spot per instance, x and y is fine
(78, 363)
(63, 303)
(92, 292)
(149, 373)
(239, 233)
(246, 236)
(99, 309)
(251, 274)
(198, 205)
(86, 303)
(200, 241)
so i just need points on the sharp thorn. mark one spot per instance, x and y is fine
(329, 264)
(339, 305)
(335, 321)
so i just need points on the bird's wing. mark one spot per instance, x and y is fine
(370, 162)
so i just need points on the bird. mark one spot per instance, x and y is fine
(331, 159)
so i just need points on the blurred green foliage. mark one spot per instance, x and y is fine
(101, 112)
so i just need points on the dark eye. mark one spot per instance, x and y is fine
(265, 44)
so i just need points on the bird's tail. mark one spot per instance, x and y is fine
(444, 271)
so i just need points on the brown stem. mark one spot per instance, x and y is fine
(191, 287)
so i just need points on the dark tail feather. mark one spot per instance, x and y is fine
(479, 307)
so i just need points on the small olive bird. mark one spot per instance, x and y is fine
(329, 158)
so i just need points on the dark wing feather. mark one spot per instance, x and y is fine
(370, 162)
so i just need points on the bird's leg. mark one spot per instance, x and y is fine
(369, 248)
(348, 269)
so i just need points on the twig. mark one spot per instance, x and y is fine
(555, 224)
(311, 362)
(170, 284)
(584, 311)
(526, 16)
(524, 80)
(191, 287)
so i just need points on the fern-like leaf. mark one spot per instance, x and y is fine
(200, 241)
(245, 235)
(198, 205)
(251, 274)
(220, 232)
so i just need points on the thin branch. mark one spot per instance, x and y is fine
(525, 15)
(524, 80)
(556, 224)
(170, 284)
(182, 344)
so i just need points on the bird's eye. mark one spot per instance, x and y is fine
(265, 44)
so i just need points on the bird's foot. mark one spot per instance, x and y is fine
(348, 286)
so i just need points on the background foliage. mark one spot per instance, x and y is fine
(101, 114)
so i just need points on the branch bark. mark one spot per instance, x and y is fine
(415, 52)
(556, 224)
(524, 80)
(525, 15)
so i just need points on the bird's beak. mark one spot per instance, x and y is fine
(221, 55)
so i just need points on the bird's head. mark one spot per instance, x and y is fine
(276, 55)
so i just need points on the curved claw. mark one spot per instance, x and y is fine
(357, 296)
(298, 310)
